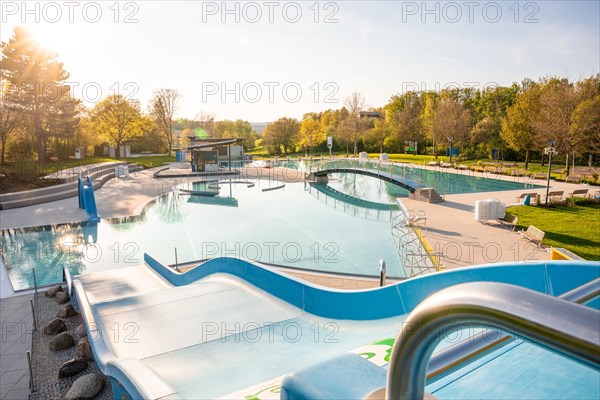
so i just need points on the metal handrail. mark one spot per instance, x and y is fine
(560, 326)
(452, 358)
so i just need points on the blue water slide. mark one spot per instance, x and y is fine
(231, 328)
(87, 200)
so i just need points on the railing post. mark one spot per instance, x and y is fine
(33, 315)
(176, 263)
(31, 384)
(382, 272)
(34, 281)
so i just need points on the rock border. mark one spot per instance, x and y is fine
(46, 363)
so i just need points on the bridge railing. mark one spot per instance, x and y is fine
(403, 172)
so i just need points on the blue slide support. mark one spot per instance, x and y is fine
(87, 200)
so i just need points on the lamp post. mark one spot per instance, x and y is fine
(450, 139)
(550, 151)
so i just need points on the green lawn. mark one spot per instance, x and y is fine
(576, 228)
(150, 161)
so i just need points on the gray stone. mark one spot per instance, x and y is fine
(55, 326)
(61, 297)
(80, 331)
(72, 367)
(53, 291)
(66, 312)
(84, 350)
(85, 387)
(61, 341)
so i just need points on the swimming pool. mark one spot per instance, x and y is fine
(343, 226)
(286, 227)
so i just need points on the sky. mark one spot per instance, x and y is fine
(262, 60)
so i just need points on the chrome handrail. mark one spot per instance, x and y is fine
(455, 357)
(556, 324)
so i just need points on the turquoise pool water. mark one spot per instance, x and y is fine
(522, 371)
(289, 226)
(444, 181)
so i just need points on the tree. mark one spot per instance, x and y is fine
(38, 78)
(344, 131)
(428, 116)
(408, 122)
(552, 123)
(486, 132)
(354, 103)
(379, 134)
(116, 119)
(488, 107)
(10, 118)
(517, 126)
(163, 105)
(235, 129)
(451, 122)
(585, 129)
(282, 134)
(311, 132)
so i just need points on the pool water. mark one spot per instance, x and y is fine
(289, 226)
(444, 181)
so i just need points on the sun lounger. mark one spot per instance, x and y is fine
(509, 220)
(533, 234)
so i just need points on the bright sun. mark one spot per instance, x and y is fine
(60, 38)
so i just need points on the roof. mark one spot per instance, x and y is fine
(222, 142)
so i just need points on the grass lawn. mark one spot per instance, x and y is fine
(25, 176)
(150, 161)
(576, 227)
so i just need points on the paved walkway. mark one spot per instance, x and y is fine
(460, 240)
(16, 330)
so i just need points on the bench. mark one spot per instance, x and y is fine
(573, 179)
(533, 234)
(540, 175)
(463, 166)
(579, 192)
(433, 163)
(532, 197)
(509, 220)
(554, 197)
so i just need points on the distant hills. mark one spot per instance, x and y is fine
(259, 127)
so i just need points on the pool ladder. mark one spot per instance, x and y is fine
(410, 248)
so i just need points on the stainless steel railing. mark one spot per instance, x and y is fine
(556, 324)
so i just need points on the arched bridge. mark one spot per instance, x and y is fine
(321, 175)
